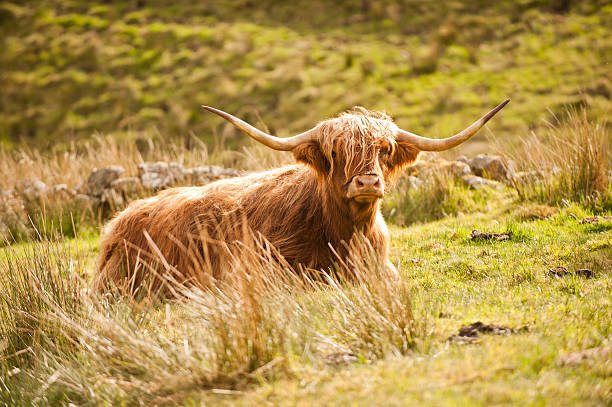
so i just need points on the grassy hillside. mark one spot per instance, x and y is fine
(73, 68)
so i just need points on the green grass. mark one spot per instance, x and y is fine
(504, 283)
(452, 281)
(439, 196)
(73, 69)
(141, 70)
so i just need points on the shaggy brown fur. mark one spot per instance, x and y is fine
(302, 210)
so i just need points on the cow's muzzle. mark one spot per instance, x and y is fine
(366, 188)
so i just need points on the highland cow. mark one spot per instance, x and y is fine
(310, 211)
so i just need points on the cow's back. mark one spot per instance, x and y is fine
(192, 226)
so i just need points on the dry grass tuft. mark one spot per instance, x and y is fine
(573, 162)
(441, 195)
(72, 164)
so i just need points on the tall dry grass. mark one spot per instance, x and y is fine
(572, 162)
(440, 195)
(71, 165)
(62, 343)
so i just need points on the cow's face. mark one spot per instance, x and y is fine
(358, 156)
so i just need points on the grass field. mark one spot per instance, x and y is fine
(159, 354)
(543, 294)
(459, 282)
(87, 85)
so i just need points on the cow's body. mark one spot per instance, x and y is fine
(287, 206)
(310, 212)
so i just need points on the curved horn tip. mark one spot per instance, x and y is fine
(501, 105)
(277, 143)
(504, 103)
(210, 109)
(494, 111)
(221, 113)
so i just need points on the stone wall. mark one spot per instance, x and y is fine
(106, 189)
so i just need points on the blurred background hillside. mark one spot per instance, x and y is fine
(139, 69)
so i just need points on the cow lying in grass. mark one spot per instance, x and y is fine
(310, 212)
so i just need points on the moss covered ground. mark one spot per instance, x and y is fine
(73, 68)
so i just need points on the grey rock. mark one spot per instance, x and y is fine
(178, 172)
(32, 189)
(162, 175)
(215, 171)
(457, 169)
(230, 172)
(156, 175)
(492, 167)
(62, 192)
(419, 168)
(188, 174)
(206, 173)
(439, 169)
(86, 201)
(127, 186)
(112, 198)
(462, 159)
(100, 179)
(476, 182)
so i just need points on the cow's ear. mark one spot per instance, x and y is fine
(405, 154)
(310, 153)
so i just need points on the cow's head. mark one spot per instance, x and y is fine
(359, 152)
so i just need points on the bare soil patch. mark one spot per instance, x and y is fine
(477, 235)
(595, 220)
(472, 332)
(561, 271)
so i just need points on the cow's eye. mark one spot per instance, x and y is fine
(333, 154)
(384, 152)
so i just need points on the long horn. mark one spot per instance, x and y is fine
(277, 143)
(428, 144)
